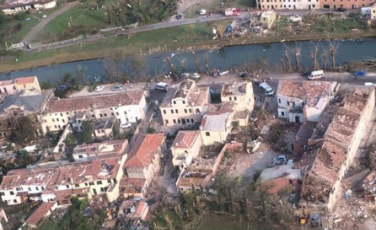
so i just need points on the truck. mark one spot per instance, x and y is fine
(232, 12)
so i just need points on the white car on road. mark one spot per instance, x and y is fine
(195, 75)
(202, 12)
(99, 88)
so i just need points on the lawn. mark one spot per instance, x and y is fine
(81, 19)
(20, 29)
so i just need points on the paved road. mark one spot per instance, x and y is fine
(34, 31)
(163, 25)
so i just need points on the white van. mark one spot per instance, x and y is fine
(267, 89)
(316, 75)
(162, 86)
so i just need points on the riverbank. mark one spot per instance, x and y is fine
(176, 39)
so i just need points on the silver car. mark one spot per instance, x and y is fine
(117, 88)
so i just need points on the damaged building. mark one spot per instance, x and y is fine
(338, 133)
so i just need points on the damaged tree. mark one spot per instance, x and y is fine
(297, 53)
(324, 59)
(173, 69)
(333, 47)
(206, 64)
(196, 62)
(288, 60)
(183, 68)
(315, 64)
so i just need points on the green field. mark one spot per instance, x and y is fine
(81, 19)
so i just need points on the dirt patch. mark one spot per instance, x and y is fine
(245, 166)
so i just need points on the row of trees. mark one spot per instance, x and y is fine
(287, 62)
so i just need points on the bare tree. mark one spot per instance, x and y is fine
(333, 47)
(324, 59)
(183, 68)
(138, 66)
(297, 53)
(196, 62)
(206, 64)
(283, 64)
(288, 60)
(114, 65)
(173, 69)
(314, 57)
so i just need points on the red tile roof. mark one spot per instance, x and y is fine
(185, 139)
(94, 102)
(25, 80)
(38, 214)
(143, 150)
(4, 83)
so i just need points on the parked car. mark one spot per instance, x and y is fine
(195, 75)
(99, 88)
(202, 12)
(223, 72)
(127, 125)
(243, 75)
(360, 73)
(62, 87)
(278, 160)
(178, 16)
(117, 88)
(341, 9)
(185, 75)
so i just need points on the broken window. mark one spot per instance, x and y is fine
(207, 134)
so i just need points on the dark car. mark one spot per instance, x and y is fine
(341, 9)
(178, 16)
(360, 73)
(243, 75)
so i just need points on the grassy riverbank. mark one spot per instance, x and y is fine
(175, 39)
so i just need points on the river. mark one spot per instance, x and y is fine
(224, 58)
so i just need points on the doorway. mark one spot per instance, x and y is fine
(297, 119)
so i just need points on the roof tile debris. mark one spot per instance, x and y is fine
(333, 153)
(283, 171)
(143, 150)
(234, 89)
(94, 102)
(309, 91)
(114, 147)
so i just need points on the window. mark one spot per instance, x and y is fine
(166, 121)
(185, 111)
(288, 103)
(117, 113)
(55, 126)
(99, 182)
(183, 102)
(187, 120)
(29, 188)
(14, 201)
(207, 134)
(59, 126)
(235, 98)
(61, 114)
(11, 193)
(282, 113)
(77, 185)
(164, 111)
(176, 111)
(279, 101)
(92, 116)
(230, 98)
(2, 194)
(190, 110)
(112, 114)
(174, 102)
(192, 120)
(125, 112)
(102, 190)
(172, 111)
(86, 184)
(42, 188)
(174, 121)
(57, 119)
(53, 120)
(36, 188)
(63, 120)
(105, 114)
(100, 115)
(197, 110)
(67, 186)
(179, 121)
(109, 181)
(91, 183)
